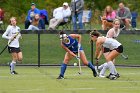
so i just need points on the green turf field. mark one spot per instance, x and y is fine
(52, 53)
(43, 80)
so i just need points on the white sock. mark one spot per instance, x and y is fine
(12, 64)
(105, 67)
(111, 67)
(115, 71)
(101, 67)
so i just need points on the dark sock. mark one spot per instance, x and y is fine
(63, 68)
(91, 66)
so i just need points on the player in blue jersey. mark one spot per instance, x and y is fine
(71, 43)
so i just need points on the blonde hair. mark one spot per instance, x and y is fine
(115, 20)
(12, 18)
(106, 12)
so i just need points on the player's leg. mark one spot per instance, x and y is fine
(101, 66)
(112, 55)
(67, 58)
(13, 63)
(102, 72)
(20, 57)
(85, 62)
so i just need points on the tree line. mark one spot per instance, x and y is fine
(19, 8)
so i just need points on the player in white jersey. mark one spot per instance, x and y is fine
(112, 33)
(12, 33)
(115, 47)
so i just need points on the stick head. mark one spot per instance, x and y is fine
(126, 57)
(79, 73)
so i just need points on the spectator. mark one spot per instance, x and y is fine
(77, 7)
(31, 14)
(108, 17)
(60, 14)
(124, 14)
(37, 23)
(1, 14)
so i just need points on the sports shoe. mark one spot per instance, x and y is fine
(111, 77)
(94, 73)
(60, 77)
(97, 70)
(101, 76)
(14, 72)
(117, 75)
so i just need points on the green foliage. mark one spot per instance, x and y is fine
(19, 8)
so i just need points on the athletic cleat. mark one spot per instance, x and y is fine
(14, 72)
(94, 73)
(101, 76)
(60, 77)
(117, 75)
(111, 77)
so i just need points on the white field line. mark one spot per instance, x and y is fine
(27, 90)
(137, 88)
(80, 88)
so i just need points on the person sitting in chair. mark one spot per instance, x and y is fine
(124, 15)
(60, 14)
(31, 14)
(108, 17)
(37, 23)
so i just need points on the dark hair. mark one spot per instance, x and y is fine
(95, 33)
(61, 32)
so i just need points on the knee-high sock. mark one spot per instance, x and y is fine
(101, 67)
(63, 69)
(91, 66)
(115, 71)
(111, 67)
(12, 65)
(105, 67)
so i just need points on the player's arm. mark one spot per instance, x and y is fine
(76, 36)
(67, 50)
(100, 53)
(98, 48)
(5, 35)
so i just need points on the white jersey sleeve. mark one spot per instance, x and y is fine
(11, 32)
(6, 33)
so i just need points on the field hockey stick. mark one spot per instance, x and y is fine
(124, 56)
(9, 43)
(97, 61)
(122, 28)
(79, 61)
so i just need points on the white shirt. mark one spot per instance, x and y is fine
(113, 33)
(111, 43)
(60, 13)
(10, 32)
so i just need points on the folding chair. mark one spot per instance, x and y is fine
(86, 19)
(134, 19)
(44, 16)
(66, 25)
